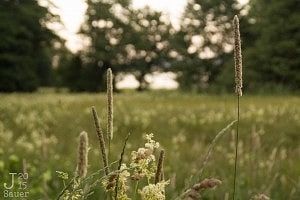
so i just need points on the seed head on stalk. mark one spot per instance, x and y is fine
(238, 90)
(159, 170)
(237, 57)
(109, 104)
(82, 161)
(101, 140)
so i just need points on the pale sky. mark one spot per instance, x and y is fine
(72, 15)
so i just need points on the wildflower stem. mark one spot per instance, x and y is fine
(136, 189)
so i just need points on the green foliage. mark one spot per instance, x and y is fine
(26, 46)
(149, 45)
(106, 29)
(79, 76)
(274, 56)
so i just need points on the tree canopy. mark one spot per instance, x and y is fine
(26, 45)
(273, 59)
(141, 41)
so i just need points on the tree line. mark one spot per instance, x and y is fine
(142, 41)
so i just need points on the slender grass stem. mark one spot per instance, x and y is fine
(64, 189)
(236, 147)
(120, 164)
(192, 180)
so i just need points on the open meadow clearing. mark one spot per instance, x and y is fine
(149, 100)
(43, 129)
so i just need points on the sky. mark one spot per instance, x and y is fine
(72, 15)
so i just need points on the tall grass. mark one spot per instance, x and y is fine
(238, 89)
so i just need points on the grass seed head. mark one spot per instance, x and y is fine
(194, 192)
(208, 183)
(82, 161)
(101, 140)
(109, 104)
(237, 57)
(159, 172)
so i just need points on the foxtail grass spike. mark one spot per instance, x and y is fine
(238, 57)
(101, 140)
(109, 104)
(159, 172)
(82, 161)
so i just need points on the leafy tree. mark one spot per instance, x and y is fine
(149, 46)
(25, 46)
(203, 41)
(122, 38)
(106, 29)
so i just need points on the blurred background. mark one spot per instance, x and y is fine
(187, 45)
(173, 69)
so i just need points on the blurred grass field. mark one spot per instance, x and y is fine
(44, 129)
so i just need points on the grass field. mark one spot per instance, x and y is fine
(44, 129)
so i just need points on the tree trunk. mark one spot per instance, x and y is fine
(143, 84)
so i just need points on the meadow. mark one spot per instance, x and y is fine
(41, 130)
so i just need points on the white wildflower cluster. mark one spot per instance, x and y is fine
(154, 191)
(151, 144)
(143, 160)
(123, 187)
